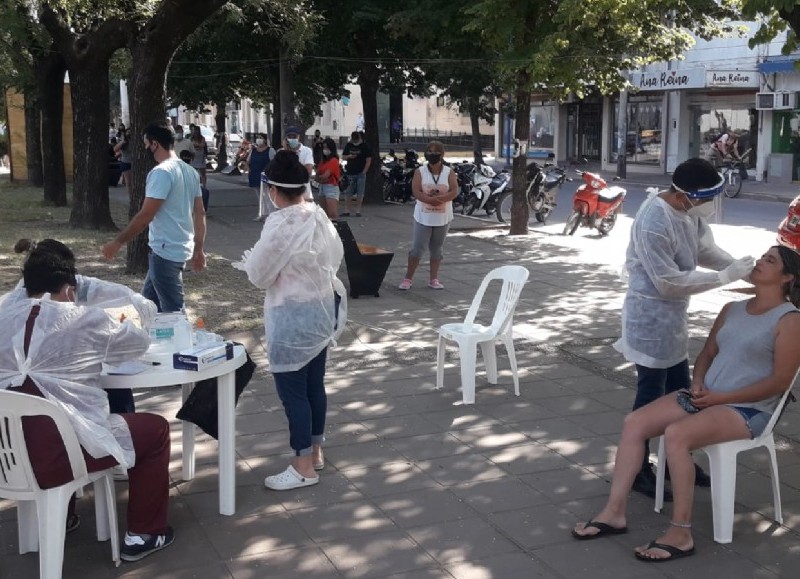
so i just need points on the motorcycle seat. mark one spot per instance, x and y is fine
(611, 193)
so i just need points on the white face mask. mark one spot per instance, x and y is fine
(705, 210)
(260, 142)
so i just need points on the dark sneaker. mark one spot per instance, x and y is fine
(645, 483)
(136, 547)
(701, 479)
(73, 522)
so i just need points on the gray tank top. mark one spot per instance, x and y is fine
(746, 352)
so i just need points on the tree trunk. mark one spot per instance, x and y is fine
(522, 129)
(368, 81)
(33, 139)
(50, 80)
(474, 120)
(147, 95)
(288, 109)
(90, 118)
(222, 140)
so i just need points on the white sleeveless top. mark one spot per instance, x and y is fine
(434, 215)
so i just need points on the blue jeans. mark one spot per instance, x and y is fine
(305, 402)
(164, 283)
(356, 185)
(653, 383)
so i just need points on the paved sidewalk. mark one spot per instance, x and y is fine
(417, 484)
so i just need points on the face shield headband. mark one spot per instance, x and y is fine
(287, 185)
(707, 193)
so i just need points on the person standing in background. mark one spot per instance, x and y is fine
(329, 172)
(359, 159)
(360, 123)
(257, 161)
(305, 154)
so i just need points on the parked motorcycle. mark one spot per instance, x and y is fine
(595, 205)
(544, 183)
(485, 189)
(397, 175)
(463, 171)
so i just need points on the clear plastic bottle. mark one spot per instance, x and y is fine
(183, 333)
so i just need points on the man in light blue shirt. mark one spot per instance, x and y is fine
(173, 210)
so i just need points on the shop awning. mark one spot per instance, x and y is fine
(779, 63)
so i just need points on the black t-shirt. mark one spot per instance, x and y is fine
(356, 166)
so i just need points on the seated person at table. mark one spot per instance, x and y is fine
(91, 291)
(747, 363)
(55, 349)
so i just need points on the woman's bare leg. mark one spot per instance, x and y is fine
(709, 426)
(649, 421)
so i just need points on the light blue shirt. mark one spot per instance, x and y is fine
(172, 229)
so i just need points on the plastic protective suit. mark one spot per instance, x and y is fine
(68, 345)
(95, 292)
(296, 261)
(665, 248)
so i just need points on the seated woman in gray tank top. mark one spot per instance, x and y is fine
(747, 363)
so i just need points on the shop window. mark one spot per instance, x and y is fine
(711, 123)
(542, 127)
(643, 143)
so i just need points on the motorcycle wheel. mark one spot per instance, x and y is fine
(472, 203)
(541, 216)
(387, 190)
(490, 207)
(504, 207)
(607, 224)
(573, 222)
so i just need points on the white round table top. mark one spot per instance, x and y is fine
(165, 375)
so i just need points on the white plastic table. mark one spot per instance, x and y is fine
(164, 375)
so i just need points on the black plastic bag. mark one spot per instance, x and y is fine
(201, 407)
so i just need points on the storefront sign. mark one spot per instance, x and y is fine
(732, 78)
(669, 79)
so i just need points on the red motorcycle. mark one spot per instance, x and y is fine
(595, 205)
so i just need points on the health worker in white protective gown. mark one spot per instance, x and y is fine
(295, 261)
(91, 291)
(670, 239)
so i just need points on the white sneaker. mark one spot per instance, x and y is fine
(288, 480)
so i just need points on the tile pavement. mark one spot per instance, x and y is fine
(419, 485)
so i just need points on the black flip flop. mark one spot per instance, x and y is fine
(602, 530)
(674, 553)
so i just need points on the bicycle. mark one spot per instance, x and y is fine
(732, 174)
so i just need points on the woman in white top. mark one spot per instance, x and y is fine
(295, 261)
(434, 186)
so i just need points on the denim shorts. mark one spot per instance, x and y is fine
(755, 420)
(329, 191)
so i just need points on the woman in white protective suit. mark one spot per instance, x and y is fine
(295, 261)
(670, 239)
(91, 291)
(55, 349)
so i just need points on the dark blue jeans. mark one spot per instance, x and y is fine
(164, 283)
(653, 383)
(305, 402)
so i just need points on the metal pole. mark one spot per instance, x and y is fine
(622, 135)
(508, 133)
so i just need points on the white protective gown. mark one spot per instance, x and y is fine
(665, 248)
(68, 345)
(92, 291)
(295, 261)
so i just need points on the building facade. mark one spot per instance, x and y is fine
(676, 109)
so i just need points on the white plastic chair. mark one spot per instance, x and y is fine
(469, 334)
(42, 514)
(722, 465)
